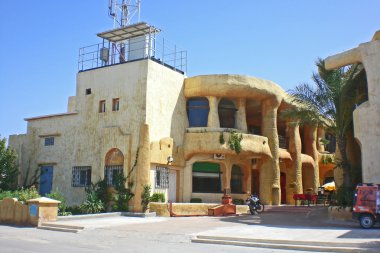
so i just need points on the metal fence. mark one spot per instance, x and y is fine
(157, 49)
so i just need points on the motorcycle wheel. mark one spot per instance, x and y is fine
(260, 208)
(252, 211)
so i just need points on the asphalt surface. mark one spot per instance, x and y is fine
(159, 234)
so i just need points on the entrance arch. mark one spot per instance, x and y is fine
(114, 165)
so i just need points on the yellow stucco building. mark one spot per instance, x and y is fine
(132, 106)
(367, 114)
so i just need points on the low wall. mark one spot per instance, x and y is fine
(340, 213)
(13, 212)
(162, 209)
(33, 213)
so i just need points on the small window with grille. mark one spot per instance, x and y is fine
(81, 176)
(111, 172)
(49, 141)
(161, 178)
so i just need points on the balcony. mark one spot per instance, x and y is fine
(215, 141)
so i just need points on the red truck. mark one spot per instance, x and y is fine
(367, 204)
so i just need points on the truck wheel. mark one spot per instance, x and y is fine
(366, 221)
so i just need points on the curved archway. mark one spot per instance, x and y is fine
(114, 165)
(227, 111)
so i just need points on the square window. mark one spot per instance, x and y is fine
(115, 104)
(49, 141)
(81, 176)
(102, 106)
(111, 173)
(161, 178)
(88, 91)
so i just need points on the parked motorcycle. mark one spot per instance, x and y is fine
(254, 204)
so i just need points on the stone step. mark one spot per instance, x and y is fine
(70, 230)
(60, 225)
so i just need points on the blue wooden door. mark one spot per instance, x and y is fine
(46, 180)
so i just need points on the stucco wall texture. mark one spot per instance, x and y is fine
(152, 119)
(367, 115)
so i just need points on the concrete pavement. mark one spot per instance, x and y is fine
(310, 231)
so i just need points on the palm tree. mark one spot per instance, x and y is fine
(329, 103)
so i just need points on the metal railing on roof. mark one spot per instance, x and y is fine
(107, 54)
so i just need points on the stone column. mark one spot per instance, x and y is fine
(227, 177)
(187, 182)
(310, 135)
(320, 136)
(143, 167)
(270, 191)
(295, 172)
(241, 118)
(213, 116)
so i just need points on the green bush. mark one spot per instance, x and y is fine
(62, 207)
(157, 197)
(22, 194)
(123, 195)
(343, 197)
(238, 201)
(196, 200)
(6, 194)
(74, 210)
(145, 197)
(92, 204)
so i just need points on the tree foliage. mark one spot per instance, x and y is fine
(329, 103)
(8, 167)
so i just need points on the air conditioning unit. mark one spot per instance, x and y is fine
(219, 156)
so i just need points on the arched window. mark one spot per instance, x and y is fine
(114, 163)
(226, 111)
(236, 179)
(197, 112)
(206, 177)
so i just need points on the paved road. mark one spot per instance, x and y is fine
(127, 234)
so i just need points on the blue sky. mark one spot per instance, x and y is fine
(274, 40)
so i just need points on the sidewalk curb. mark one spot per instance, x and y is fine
(105, 215)
(283, 244)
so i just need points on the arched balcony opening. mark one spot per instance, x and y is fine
(283, 139)
(254, 117)
(197, 111)
(227, 113)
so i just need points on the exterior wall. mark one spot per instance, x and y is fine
(367, 115)
(165, 104)
(84, 138)
(152, 118)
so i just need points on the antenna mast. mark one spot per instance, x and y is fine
(123, 11)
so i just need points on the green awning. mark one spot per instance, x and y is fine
(206, 167)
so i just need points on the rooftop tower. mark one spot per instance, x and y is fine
(130, 40)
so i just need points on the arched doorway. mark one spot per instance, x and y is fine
(114, 165)
(226, 111)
